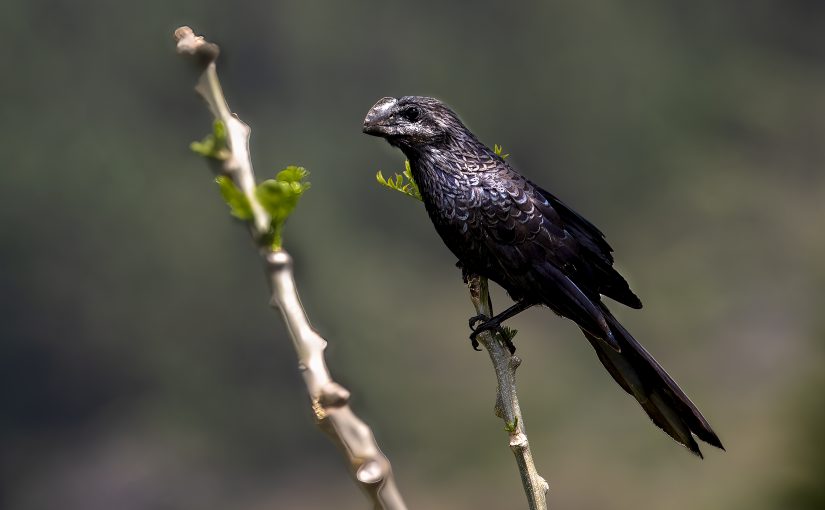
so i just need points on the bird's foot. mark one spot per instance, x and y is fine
(473, 321)
(488, 324)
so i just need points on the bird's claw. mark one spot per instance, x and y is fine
(472, 322)
(488, 324)
(476, 319)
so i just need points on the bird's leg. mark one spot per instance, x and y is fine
(494, 323)
(465, 274)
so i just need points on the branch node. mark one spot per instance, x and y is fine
(334, 395)
(278, 260)
(231, 167)
(370, 472)
(518, 440)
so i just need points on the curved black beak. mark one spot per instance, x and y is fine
(376, 122)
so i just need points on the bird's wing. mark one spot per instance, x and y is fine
(597, 253)
(537, 257)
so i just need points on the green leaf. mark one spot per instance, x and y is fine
(410, 188)
(498, 149)
(511, 425)
(293, 174)
(380, 178)
(215, 145)
(234, 198)
(509, 332)
(279, 196)
(396, 182)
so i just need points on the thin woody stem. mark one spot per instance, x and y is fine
(329, 400)
(507, 406)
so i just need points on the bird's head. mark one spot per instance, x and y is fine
(411, 121)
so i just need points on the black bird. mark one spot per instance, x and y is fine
(502, 226)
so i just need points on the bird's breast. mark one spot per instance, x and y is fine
(453, 201)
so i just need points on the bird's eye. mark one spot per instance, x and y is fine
(411, 114)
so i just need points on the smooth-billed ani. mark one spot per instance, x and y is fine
(506, 228)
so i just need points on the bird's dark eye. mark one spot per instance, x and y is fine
(411, 114)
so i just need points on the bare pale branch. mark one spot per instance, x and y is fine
(507, 406)
(329, 400)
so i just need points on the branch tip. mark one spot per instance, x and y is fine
(195, 45)
(184, 32)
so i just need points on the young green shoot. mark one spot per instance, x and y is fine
(402, 182)
(277, 196)
(214, 145)
(405, 183)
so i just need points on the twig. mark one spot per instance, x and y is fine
(330, 401)
(507, 407)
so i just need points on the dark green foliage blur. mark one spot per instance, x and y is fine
(141, 367)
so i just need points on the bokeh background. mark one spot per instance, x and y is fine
(140, 366)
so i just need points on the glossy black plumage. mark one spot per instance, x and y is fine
(502, 226)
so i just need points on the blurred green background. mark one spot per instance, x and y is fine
(140, 366)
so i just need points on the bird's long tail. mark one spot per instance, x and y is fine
(640, 375)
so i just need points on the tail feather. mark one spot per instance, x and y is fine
(641, 376)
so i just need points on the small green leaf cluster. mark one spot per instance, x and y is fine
(403, 182)
(498, 149)
(511, 425)
(234, 198)
(213, 146)
(277, 196)
(509, 332)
